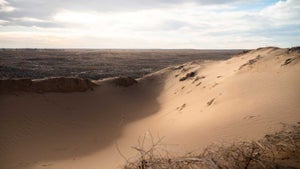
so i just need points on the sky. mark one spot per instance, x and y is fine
(171, 24)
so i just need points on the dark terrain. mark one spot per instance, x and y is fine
(96, 63)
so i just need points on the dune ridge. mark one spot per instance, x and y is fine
(60, 84)
(192, 105)
(54, 84)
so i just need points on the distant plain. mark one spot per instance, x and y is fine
(97, 63)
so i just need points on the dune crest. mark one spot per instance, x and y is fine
(55, 84)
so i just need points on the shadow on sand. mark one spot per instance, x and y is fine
(58, 126)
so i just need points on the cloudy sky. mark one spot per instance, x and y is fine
(214, 24)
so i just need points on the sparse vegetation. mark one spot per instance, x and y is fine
(124, 81)
(187, 76)
(97, 64)
(198, 78)
(288, 61)
(279, 150)
(251, 62)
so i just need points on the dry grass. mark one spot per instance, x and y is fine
(278, 150)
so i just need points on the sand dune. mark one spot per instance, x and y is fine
(191, 105)
(55, 84)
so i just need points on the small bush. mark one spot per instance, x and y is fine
(279, 150)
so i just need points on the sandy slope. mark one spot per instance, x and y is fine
(219, 101)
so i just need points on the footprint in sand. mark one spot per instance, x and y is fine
(249, 117)
(214, 85)
(181, 107)
(46, 165)
(210, 102)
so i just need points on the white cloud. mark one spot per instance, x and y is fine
(283, 12)
(28, 19)
(76, 17)
(5, 6)
(187, 25)
(3, 22)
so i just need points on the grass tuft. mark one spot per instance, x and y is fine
(279, 150)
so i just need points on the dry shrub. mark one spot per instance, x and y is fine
(278, 150)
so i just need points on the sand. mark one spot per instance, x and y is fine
(191, 105)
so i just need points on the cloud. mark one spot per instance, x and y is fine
(283, 12)
(151, 24)
(5, 7)
(45, 7)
